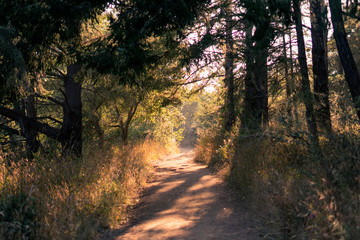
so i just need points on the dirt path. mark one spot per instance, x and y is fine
(186, 202)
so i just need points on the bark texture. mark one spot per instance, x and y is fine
(31, 135)
(318, 18)
(255, 109)
(71, 129)
(230, 116)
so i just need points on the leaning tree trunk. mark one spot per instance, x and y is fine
(346, 56)
(320, 63)
(229, 73)
(307, 94)
(71, 130)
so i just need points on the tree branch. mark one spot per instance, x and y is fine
(351, 15)
(10, 130)
(50, 99)
(37, 126)
(61, 73)
(50, 118)
(54, 75)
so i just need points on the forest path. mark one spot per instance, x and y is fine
(186, 201)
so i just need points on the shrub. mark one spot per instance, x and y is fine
(18, 213)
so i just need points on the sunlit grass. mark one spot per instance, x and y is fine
(50, 198)
(287, 187)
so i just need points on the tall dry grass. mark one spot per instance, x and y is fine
(52, 198)
(288, 188)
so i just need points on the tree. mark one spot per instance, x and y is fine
(320, 63)
(346, 57)
(305, 83)
(288, 81)
(258, 34)
(230, 116)
(59, 52)
(43, 29)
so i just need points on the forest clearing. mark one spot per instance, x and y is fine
(99, 99)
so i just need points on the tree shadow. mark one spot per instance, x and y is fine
(189, 203)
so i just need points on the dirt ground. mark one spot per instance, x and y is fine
(186, 201)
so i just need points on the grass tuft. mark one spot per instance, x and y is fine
(49, 198)
(289, 190)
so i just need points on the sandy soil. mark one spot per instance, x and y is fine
(186, 201)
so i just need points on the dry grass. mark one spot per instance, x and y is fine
(289, 189)
(50, 198)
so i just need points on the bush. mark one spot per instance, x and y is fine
(18, 213)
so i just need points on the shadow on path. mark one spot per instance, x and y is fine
(186, 202)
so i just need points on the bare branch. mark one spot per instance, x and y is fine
(54, 75)
(37, 126)
(50, 99)
(117, 126)
(351, 15)
(61, 73)
(10, 130)
(50, 118)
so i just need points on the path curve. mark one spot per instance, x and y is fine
(186, 201)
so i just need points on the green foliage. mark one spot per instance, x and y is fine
(132, 63)
(41, 24)
(18, 213)
(12, 65)
(188, 110)
(208, 116)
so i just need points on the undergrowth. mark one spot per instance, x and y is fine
(53, 198)
(287, 187)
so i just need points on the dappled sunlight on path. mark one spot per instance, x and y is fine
(186, 202)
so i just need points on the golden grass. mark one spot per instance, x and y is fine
(72, 198)
(289, 190)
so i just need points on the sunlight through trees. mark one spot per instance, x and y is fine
(266, 91)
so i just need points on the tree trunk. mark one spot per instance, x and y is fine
(307, 95)
(287, 78)
(70, 134)
(255, 111)
(27, 118)
(38, 126)
(99, 131)
(126, 125)
(246, 116)
(229, 73)
(71, 130)
(31, 135)
(320, 63)
(261, 78)
(346, 57)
